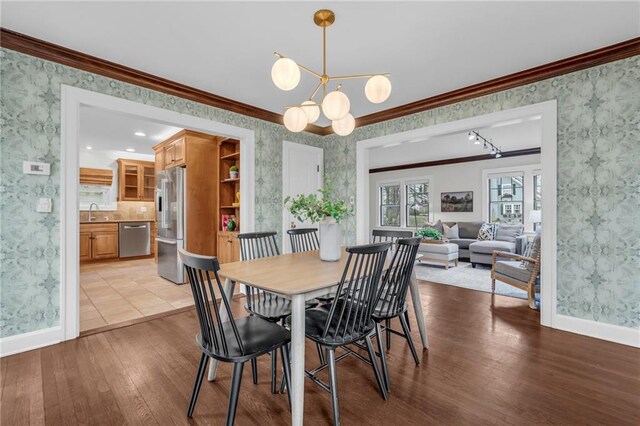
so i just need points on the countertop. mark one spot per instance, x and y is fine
(84, 222)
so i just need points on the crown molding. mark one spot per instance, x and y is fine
(596, 57)
(62, 55)
(505, 154)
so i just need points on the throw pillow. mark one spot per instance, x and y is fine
(450, 233)
(486, 232)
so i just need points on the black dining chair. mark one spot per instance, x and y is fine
(235, 340)
(379, 235)
(303, 239)
(393, 294)
(349, 318)
(384, 235)
(264, 304)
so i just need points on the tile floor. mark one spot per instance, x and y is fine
(115, 292)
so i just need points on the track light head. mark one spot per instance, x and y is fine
(471, 136)
(498, 155)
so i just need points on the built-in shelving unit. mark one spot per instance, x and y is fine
(228, 204)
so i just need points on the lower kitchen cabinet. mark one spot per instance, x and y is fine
(228, 247)
(98, 241)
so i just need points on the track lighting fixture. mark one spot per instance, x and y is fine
(485, 143)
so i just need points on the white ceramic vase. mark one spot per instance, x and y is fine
(330, 240)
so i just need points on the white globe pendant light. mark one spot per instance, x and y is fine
(295, 119)
(313, 111)
(344, 126)
(285, 74)
(335, 105)
(378, 89)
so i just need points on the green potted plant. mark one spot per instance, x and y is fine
(233, 172)
(328, 212)
(429, 233)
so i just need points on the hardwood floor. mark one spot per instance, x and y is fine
(488, 364)
(117, 292)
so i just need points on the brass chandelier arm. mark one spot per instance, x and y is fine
(350, 77)
(315, 91)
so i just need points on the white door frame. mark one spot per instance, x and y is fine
(286, 147)
(548, 112)
(72, 99)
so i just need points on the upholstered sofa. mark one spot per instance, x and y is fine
(507, 238)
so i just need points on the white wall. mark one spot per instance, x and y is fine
(448, 178)
(106, 160)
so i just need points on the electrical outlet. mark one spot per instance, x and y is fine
(143, 209)
(352, 200)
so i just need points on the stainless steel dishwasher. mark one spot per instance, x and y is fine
(134, 239)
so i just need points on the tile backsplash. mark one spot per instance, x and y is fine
(127, 210)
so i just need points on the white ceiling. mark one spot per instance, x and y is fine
(106, 130)
(506, 135)
(227, 47)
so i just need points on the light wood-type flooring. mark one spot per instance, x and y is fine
(488, 364)
(117, 292)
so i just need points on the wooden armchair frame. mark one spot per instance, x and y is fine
(530, 287)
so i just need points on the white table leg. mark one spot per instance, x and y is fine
(417, 308)
(224, 315)
(297, 359)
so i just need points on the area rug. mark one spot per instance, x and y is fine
(463, 275)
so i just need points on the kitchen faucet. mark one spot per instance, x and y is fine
(91, 210)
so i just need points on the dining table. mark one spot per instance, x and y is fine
(299, 277)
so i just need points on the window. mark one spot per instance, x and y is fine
(537, 192)
(390, 205)
(506, 200)
(417, 204)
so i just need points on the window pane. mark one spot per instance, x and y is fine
(418, 216)
(537, 192)
(506, 196)
(390, 216)
(417, 207)
(390, 194)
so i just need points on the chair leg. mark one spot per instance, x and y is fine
(284, 350)
(383, 358)
(387, 325)
(376, 370)
(407, 333)
(320, 354)
(202, 367)
(333, 383)
(254, 370)
(235, 391)
(406, 315)
(274, 371)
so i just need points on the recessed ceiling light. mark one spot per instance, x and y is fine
(89, 147)
(131, 150)
(139, 134)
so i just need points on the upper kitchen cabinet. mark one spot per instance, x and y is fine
(102, 177)
(173, 151)
(136, 180)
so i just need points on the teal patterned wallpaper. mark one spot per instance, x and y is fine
(598, 181)
(30, 119)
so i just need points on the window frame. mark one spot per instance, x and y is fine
(404, 183)
(380, 205)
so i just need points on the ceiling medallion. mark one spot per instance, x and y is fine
(335, 105)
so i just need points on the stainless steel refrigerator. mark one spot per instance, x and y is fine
(170, 225)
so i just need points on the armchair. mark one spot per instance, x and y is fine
(520, 271)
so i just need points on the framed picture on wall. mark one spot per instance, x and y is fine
(456, 202)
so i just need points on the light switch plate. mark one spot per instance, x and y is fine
(44, 205)
(35, 168)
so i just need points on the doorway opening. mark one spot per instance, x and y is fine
(388, 197)
(125, 211)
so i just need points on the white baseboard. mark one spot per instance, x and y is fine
(599, 330)
(28, 341)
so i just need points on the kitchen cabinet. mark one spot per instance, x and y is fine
(85, 246)
(98, 241)
(174, 153)
(90, 176)
(228, 247)
(136, 180)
